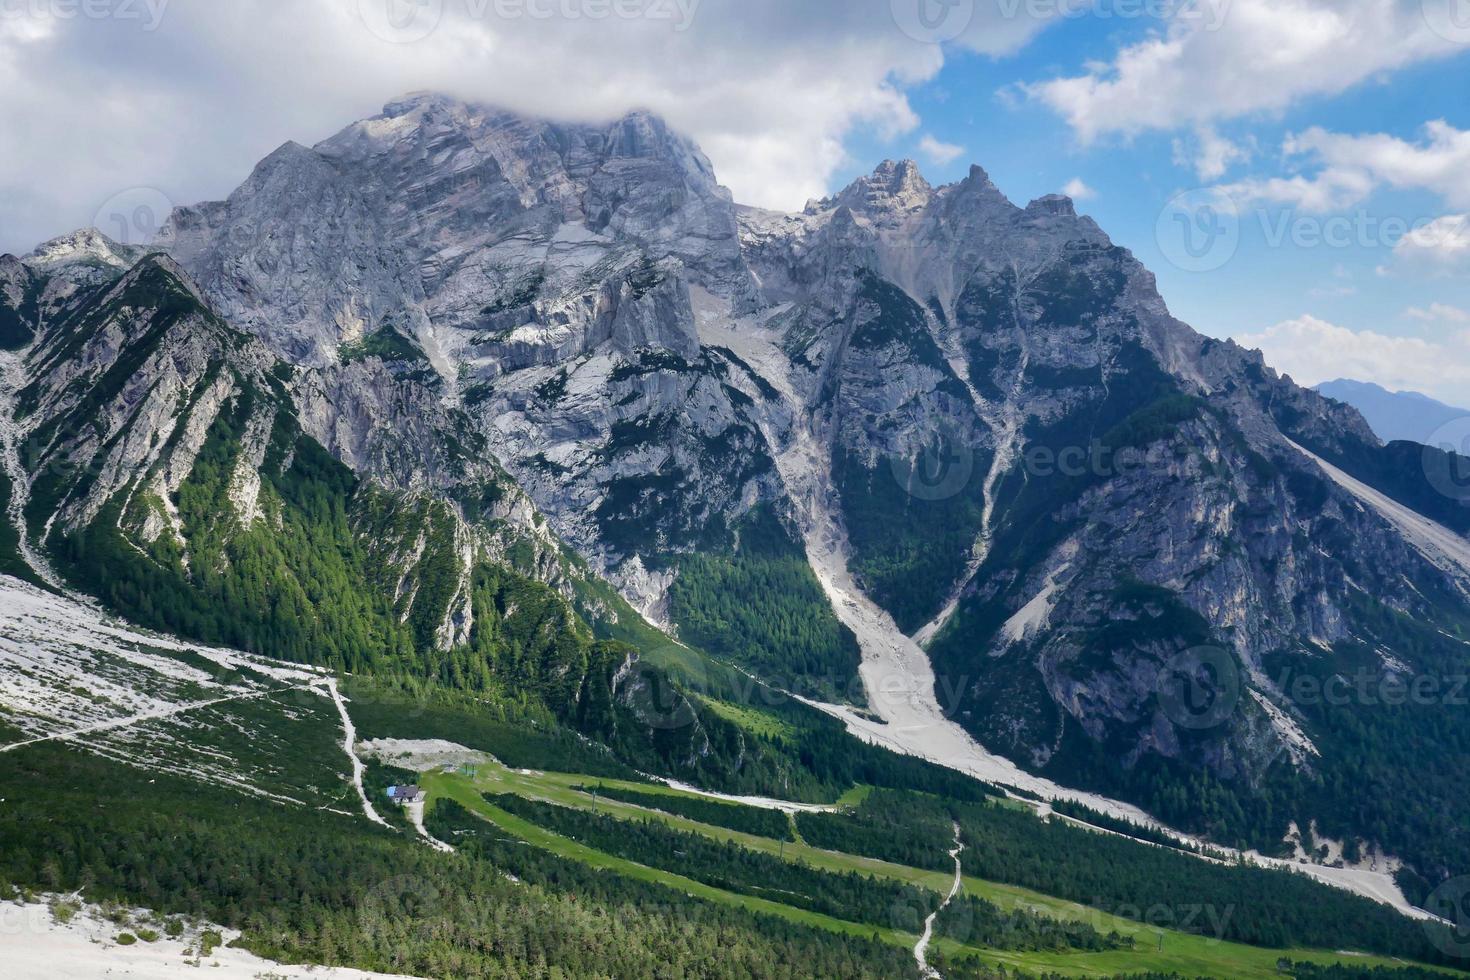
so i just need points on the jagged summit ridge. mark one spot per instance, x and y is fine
(417, 217)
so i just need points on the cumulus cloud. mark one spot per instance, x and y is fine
(770, 89)
(1331, 190)
(1441, 246)
(1312, 350)
(940, 153)
(1438, 313)
(1208, 153)
(1352, 166)
(1228, 58)
(1439, 163)
(1077, 190)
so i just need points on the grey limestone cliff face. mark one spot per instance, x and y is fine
(436, 214)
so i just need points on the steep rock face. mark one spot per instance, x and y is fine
(437, 214)
(948, 376)
(18, 303)
(169, 468)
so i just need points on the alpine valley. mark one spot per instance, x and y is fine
(893, 588)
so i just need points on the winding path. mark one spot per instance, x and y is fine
(921, 948)
(416, 817)
(349, 744)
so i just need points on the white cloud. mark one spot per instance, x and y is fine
(1313, 350)
(1077, 190)
(1208, 153)
(1351, 167)
(1438, 313)
(1440, 163)
(1227, 59)
(1441, 246)
(1331, 190)
(770, 89)
(940, 153)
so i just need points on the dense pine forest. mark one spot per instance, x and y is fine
(309, 886)
(759, 604)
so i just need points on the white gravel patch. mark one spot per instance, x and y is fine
(1439, 544)
(422, 754)
(34, 946)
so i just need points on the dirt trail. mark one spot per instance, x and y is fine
(921, 948)
(416, 817)
(349, 744)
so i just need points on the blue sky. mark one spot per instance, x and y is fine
(1279, 120)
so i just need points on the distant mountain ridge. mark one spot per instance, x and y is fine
(1394, 414)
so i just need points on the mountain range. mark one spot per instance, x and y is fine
(1397, 415)
(534, 410)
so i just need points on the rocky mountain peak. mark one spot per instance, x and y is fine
(1053, 204)
(894, 186)
(85, 245)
